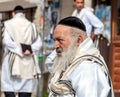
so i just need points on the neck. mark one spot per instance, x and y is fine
(78, 10)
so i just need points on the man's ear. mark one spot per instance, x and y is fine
(13, 14)
(80, 40)
(73, 3)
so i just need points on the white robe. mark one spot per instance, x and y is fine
(88, 79)
(9, 83)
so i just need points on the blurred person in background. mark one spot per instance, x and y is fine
(94, 26)
(20, 64)
(78, 70)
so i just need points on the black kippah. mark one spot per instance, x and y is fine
(73, 22)
(18, 7)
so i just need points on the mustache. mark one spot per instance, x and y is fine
(59, 50)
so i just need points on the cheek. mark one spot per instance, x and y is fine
(65, 45)
(66, 42)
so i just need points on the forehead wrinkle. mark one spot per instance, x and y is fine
(62, 30)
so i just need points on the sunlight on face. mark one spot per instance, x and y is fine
(62, 38)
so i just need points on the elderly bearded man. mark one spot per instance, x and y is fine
(78, 69)
(94, 27)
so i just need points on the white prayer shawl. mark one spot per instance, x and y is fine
(87, 78)
(25, 83)
(23, 67)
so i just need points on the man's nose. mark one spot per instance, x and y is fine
(56, 44)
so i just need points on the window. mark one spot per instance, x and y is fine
(118, 17)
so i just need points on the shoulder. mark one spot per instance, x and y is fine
(74, 12)
(87, 65)
(7, 22)
(33, 24)
(86, 68)
(87, 11)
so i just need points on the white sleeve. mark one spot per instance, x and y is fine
(10, 44)
(37, 44)
(49, 60)
(95, 22)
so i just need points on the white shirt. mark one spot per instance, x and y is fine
(90, 21)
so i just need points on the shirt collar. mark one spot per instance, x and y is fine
(87, 47)
(20, 15)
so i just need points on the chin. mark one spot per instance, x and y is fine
(59, 54)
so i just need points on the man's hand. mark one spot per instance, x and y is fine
(27, 53)
(93, 37)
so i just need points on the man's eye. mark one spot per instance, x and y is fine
(60, 40)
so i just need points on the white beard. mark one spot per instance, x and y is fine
(62, 62)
